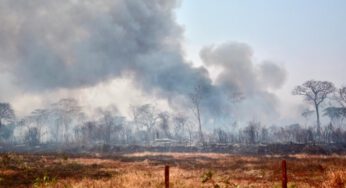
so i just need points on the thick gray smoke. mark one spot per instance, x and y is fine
(241, 74)
(68, 44)
(72, 44)
(46, 45)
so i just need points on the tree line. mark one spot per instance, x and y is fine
(65, 122)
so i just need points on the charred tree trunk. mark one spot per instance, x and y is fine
(201, 138)
(318, 121)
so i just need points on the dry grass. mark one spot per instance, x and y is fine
(336, 179)
(187, 170)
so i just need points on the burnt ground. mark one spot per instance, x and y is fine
(208, 166)
(256, 149)
(145, 169)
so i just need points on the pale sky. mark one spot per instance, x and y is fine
(308, 37)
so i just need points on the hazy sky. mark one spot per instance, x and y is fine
(308, 37)
(124, 52)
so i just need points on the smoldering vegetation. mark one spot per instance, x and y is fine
(65, 127)
(186, 170)
(47, 46)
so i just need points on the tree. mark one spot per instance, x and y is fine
(145, 117)
(307, 114)
(180, 122)
(88, 132)
(342, 96)
(328, 133)
(196, 98)
(107, 123)
(66, 111)
(6, 113)
(32, 136)
(164, 123)
(315, 92)
(221, 135)
(251, 132)
(264, 135)
(335, 114)
(40, 117)
(111, 127)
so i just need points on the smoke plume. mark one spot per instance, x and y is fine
(252, 80)
(69, 44)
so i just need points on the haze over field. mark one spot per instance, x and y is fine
(245, 56)
(112, 93)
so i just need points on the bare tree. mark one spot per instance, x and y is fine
(315, 92)
(106, 127)
(180, 122)
(221, 136)
(88, 132)
(145, 117)
(37, 117)
(264, 135)
(190, 127)
(251, 132)
(66, 110)
(32, 136)
(196, 97)
(328, 133)
(6, 113)
(164, 123)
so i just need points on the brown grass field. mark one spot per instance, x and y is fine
(186, 170)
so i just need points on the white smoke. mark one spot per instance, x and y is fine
(253, 80)
(76, 44)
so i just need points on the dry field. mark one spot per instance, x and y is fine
(187, 170)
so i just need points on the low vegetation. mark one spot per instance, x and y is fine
(187, 170)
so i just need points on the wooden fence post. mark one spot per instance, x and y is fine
(284, 174)
(166, 176)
